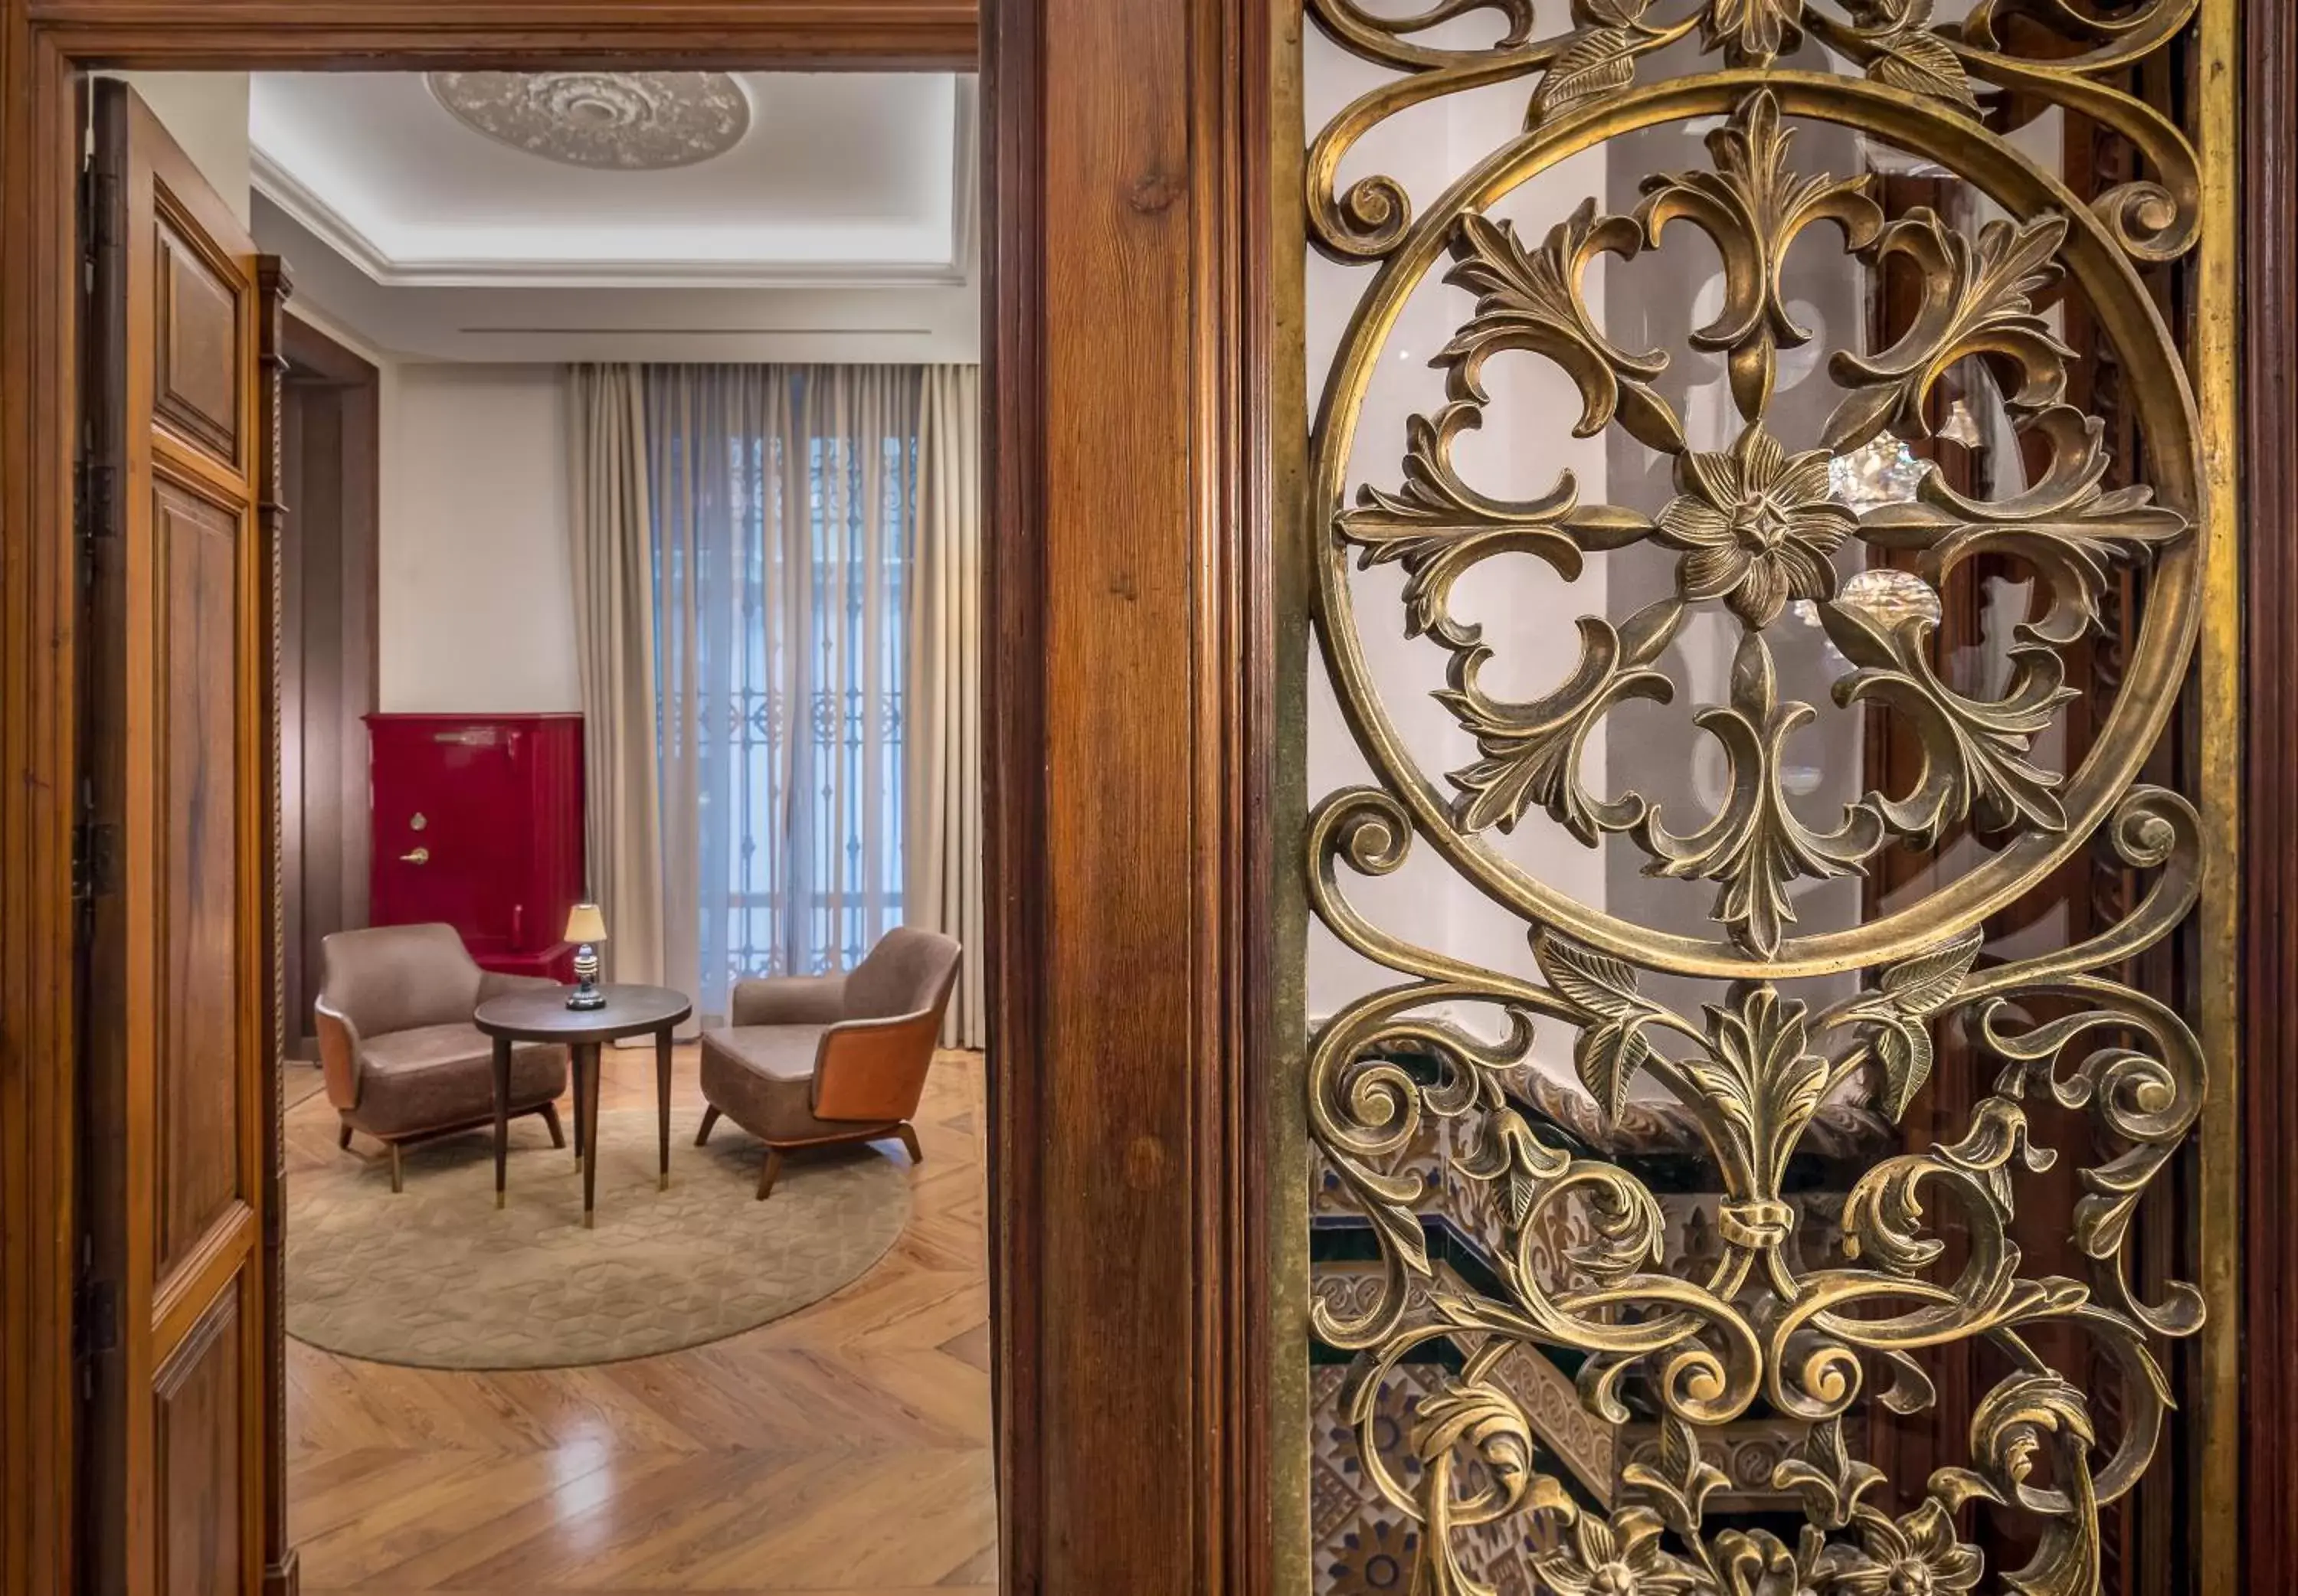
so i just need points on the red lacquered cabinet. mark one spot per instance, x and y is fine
(478, 823)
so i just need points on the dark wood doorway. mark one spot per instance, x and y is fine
(330, 418)
(1127, 186)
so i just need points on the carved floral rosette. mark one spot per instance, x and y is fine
(1753, 529)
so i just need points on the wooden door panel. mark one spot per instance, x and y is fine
(196, 548)
(177, 765)
(202, 1398)
(199, 354)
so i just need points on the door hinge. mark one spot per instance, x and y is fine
(83, 534)
(95, 860)
(98, 214)
(93, 489)
(95, 1322)
(99, 1318)
(81, 842)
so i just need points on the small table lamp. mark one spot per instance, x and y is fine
(586, 927)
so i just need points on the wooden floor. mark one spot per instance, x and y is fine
(845, 1449)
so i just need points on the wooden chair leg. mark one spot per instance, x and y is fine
(550, 1118)
(768, 1175)
(343, 1140)
(398, 1175)
(709, 1119)
(910, 1140)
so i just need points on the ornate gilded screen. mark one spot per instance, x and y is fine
(1767, 850)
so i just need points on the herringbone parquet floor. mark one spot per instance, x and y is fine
(845, 1449)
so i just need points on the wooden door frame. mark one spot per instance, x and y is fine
(321, 370)
(1131, 966)
(2268, 972)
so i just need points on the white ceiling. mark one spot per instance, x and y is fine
(842, 178)
(865, 322)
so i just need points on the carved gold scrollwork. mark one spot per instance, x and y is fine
(1753, 529)
(1896, 42)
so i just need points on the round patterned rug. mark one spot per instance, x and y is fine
(440, 1277)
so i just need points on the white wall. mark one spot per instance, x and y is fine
(477, 605)
(206, 113)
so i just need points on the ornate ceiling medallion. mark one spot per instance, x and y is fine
(612, 121)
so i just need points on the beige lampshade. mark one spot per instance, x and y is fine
(584, 923)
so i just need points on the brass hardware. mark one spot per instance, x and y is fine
(416, 856)
(1752, 529)
(417, 821)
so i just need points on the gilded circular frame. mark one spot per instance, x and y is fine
(2167, 629)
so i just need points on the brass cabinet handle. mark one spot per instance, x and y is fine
(421, 855)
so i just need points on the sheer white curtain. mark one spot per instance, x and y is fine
(784, 499)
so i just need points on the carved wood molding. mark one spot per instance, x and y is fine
(1129, 669)
(2270, 928)
(791, 35)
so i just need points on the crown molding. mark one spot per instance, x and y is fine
(322, 221)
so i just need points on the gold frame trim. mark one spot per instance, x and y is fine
(2216, 1508)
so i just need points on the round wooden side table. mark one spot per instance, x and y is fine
(541, 1015)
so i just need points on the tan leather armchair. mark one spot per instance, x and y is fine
(821, 1061)
(403, 1062)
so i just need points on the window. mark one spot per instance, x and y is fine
(782, 544)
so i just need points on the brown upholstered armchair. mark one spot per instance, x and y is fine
(403, 1062)
(817, 1061)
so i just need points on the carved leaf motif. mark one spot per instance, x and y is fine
(1599, 61)
(1752, 33)
(1507, 1149)
(1826, 1475)
(2065, 526)
(1978, 299)
(1530, 751)
(1896, 1013)
(1977, 753)
(1679, 1480)
(1905, 1053)
(1754, 207)
(1911, 1390)
(1437, 526)
(1906, 54)
(1925, 984)
(1762, 1077)
(1922, 63)
(1756, 845)
(1609, 1051)
(1531, 300)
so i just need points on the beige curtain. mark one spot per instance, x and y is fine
(615, 638)
(942, 820)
